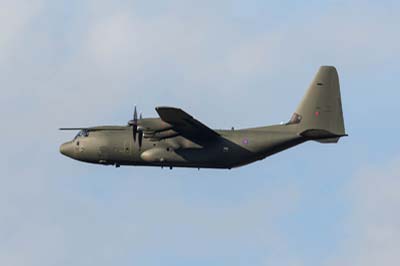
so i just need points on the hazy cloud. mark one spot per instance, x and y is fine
(372, 237)
(80, 63)
(15, 17)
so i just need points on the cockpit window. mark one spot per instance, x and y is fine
(83, 133)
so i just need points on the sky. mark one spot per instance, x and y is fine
(228, 63)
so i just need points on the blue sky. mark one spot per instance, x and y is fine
(231, 63)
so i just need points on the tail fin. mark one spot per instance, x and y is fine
(319, 115)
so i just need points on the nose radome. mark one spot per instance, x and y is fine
(66, 149)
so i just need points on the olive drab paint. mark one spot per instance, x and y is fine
(176, 139)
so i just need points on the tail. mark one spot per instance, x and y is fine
(319, 116)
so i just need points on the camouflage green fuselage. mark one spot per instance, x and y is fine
(232, 149)
(177, 139)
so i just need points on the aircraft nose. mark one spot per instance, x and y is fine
(66, 149)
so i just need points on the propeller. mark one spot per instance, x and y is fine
(140, 138)
(137, 132)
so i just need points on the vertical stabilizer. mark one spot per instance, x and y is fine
(319, 115)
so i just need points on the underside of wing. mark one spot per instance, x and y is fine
(186, 125)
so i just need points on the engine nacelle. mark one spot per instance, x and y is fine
(161, 155)
(156, 136)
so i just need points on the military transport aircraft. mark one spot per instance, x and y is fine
(176, 139)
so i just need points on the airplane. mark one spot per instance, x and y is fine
(177, 139)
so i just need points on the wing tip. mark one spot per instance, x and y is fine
(166, 108)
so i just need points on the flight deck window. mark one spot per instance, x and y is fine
(82, 133)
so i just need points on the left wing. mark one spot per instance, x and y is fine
(186, 125)
(101, 128)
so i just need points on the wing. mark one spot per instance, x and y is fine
(101, 128)
(186, 125)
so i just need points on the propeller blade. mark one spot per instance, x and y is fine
(134, 131)
(140, 138)
(135, 115)
(134, 124)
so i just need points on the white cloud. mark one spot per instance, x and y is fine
(187, 55)
(50, 222)
(15, 17)
(372, 235)
(202, 54)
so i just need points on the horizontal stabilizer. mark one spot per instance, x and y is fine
(322, 136)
